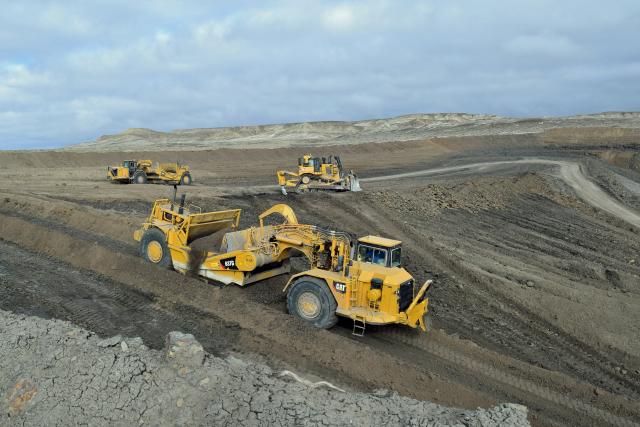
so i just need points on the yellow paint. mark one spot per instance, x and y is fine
(154, 252)
(155, 172)
(380, 241)
(318, 173)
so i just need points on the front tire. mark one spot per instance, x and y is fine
(140, 177)
(311, 300)
(154, 248)
(186, 179)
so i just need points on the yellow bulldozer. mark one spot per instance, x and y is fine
(318, 173)
(144, 171)
(359, 279)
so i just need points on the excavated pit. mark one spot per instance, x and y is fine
(536, 296)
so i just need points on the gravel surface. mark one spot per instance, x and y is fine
(55, 373)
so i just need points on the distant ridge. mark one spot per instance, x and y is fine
(401, 128)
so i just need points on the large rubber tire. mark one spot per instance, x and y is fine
(154, 248)
(312, 291)
(140, 177)
(186, 179)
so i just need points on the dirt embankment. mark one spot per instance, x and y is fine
(54, 372)
(590, 136)
(255, 161)
(403, 128)
(622, 159)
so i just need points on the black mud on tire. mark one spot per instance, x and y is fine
(186, 179)
(155, 235)
(139, 177)
(327, 316)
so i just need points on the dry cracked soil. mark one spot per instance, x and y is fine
(532, 238)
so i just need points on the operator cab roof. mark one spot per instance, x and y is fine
(379, 241)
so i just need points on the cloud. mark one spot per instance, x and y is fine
(72, 71)
(18, 75)
(339, 18)
(543, 46)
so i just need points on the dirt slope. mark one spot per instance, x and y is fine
(403, 128)
(570, 173)
(533, 243)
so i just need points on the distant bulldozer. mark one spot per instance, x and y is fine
(315, 173)
(143, 171)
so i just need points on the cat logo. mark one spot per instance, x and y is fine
(229, 263)
(340, 287)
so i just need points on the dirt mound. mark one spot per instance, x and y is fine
(471, 196)
(54, 372)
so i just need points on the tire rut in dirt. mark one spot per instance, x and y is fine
(85, 235)
(571, 354)
(518, 326)
(496, 381)
(57, 290)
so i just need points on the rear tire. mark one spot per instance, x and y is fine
(311, 300)
(140, 177)
(186, 179)
(154, 248)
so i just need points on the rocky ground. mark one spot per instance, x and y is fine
(54, 373)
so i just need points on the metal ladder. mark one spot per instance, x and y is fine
(359, 325)
(353, 294)
(359, 322)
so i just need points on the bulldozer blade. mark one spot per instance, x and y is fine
(283, 191)
(354, 184)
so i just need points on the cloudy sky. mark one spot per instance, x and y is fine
(71, 71)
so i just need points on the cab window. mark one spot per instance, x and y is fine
(372, 255)
(396, 257)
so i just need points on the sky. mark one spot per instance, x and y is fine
(71, 71)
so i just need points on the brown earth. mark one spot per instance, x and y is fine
(402, 128)
(537, 289)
